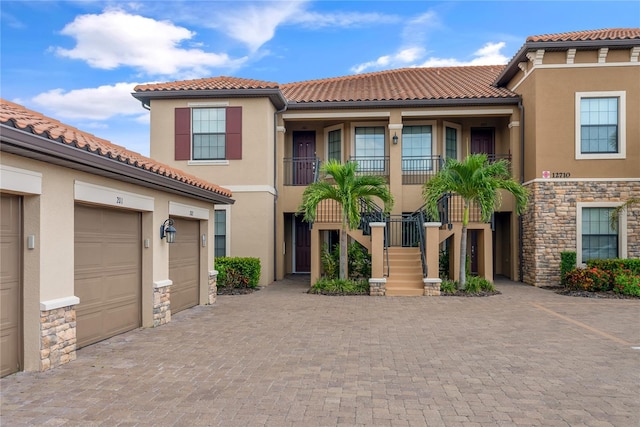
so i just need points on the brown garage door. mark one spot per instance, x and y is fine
(107, 272)
(10, 296)
(184, 265)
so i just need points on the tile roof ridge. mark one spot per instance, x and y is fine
(174, 83)
(593, 32)
(386, 72)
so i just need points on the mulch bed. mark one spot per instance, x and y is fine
(236, 291)
(585, 294)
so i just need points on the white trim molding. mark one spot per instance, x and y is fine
(464, 112)
(162, 283)
(602, 55)
(107, 196)
(622, 227)
(187, 211)
(395, 126)
(251, 189)
(622, 124)
(281, 129)
(364, 114)
(571, 56)
(207, 104)
(208, 162)
(535, 180)
(20, 180)
(53, 304)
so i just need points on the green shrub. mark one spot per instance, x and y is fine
(330, 261)
(476, 284)
(591, 279)
(236, 272)
(359, 261)
(567, 263)
(340, 287)
(443, 264)
(627, 284)
(448, 287)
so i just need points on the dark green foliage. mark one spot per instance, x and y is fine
(627, 284)
(475, 285)
(359, 261)
(238, 272)
(590, 279)
(340, 287)
(612, 265)
(567, 263)
(330, 260)
(443, 264)
(448, 287)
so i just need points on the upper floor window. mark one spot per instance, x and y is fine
(334, 145)
(208, 133)
(208, 127)
(600, 125)
(369, 148)
(450, 142)
(416, 148)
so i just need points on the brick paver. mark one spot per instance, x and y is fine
(280, 357)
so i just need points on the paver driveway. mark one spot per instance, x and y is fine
(281, 357)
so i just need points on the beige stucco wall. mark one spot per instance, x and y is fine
(48, 270)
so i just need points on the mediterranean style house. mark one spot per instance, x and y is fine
(564, 112)
(85, 227)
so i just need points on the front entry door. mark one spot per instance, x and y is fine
(304, 157)
(483, 141)
(473, 251)
(303, 246)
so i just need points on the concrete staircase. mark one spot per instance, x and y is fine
(405, 278)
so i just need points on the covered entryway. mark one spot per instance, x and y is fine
(10, 285)
(304, 157)
(184, 265)
(107, 272)
(302, 236)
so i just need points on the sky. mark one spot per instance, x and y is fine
(78, 61)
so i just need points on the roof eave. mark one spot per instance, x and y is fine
(403, 103)
(26, 144)
(511, 68)
(274, 95)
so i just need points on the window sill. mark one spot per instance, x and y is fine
(600, 156)
(208, 162)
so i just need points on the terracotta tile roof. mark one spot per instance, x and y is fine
(17, 116)
(470, 82)
(211, 83)
(592, 35)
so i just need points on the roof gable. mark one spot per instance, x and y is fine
(19, 117)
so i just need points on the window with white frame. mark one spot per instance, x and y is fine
(417, 148)
(333, 137)
(369, 148)
(452, 137)
(597, 237)
(220, 232)
(209, 131)
(600, 125)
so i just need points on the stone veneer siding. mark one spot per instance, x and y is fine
(549, 225)
(161, 305)
(377, 288)
(57, 337)
(213, 286)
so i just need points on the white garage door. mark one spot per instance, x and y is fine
(107, 272)
(184, 265)
(10, 295)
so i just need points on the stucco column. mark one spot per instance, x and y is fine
(377, 282)
(432, 281)
(315, 254)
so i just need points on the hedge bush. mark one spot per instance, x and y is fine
(590, 279)
(238, 272)
(627, 284)
(567, 263)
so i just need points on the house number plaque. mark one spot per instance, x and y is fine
(549, 174)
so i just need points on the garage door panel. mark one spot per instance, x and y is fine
(184, 265)
(108, 273)
(10, 283)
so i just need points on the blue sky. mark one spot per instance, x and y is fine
(78, 61)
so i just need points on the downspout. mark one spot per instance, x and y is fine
(520, 227)
(275, 188)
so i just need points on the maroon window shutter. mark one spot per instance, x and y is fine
(183, 134)
(234, 133)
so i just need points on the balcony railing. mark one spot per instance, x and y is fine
(301, 170)
(417, 170)
(372, 165)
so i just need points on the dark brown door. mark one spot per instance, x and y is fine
(483, 141)
(108, 272)
(303, 246)
(473, 250)
(304, 157)
(10, 295)
(184, 265)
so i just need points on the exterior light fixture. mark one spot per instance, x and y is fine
(168, 230)
(395, 138)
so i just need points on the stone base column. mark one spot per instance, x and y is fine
(213, 286)
(57, 336)
(432, 287)
(377, 287)
(161, 305)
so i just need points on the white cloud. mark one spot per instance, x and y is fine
(398, 59)
(315, 20)
(116, 38)
(100, 103)
(489, 54)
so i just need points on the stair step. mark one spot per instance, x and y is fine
(404, 292)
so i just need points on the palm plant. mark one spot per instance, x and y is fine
(342, 184)
(474, 179)
(615, 214)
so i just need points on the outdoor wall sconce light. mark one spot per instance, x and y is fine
(395, 138)
(167, 229)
